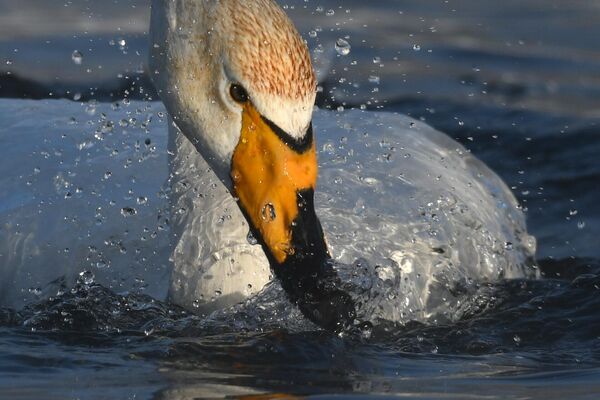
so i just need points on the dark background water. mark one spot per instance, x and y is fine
(517, 82)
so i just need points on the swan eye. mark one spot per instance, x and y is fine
(238, 93)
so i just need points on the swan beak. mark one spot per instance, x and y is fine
(271, 174)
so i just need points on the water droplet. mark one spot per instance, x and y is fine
(77, 57)
(416, 47)
(142, 200)
(86, 277)
(312, 34)
(508, 245)
(517, 339)
(251, 239)
(581, 224)
(330, 13)
(342, 47)
(268, 212)
(366, 330)
(77, 96)
(573, 212)
(374, 79)
(128, 211)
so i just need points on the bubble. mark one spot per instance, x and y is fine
(342, 47)
(77, 57)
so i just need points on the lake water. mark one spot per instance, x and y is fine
(516, 82)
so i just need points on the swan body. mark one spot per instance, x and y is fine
(392, 191)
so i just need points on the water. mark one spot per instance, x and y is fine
(515, 83)
(529, 339)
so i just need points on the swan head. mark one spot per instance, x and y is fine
(236, 78)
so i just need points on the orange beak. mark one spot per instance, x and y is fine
(269, 169)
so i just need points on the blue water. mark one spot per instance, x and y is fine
(516, 82)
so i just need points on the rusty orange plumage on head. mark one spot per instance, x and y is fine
(268, 51)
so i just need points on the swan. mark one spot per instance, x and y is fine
(246, 147)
